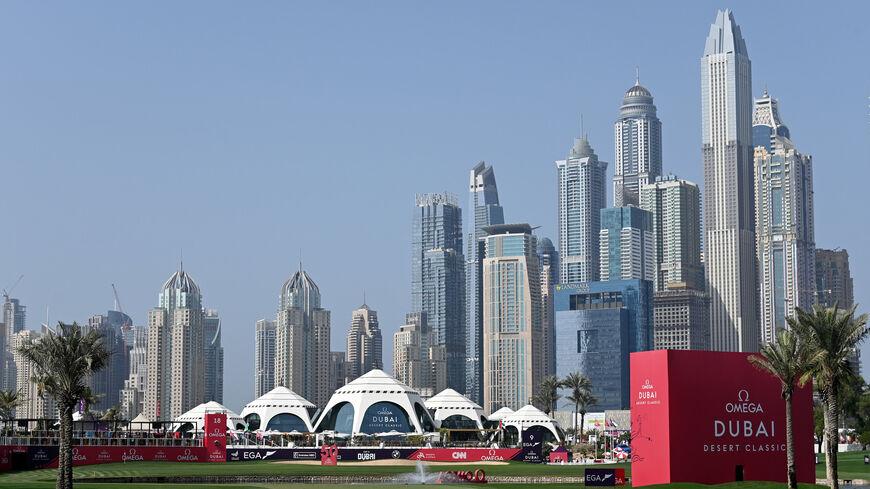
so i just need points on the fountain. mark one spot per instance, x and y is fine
(422, 476)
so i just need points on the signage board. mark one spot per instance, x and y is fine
(531, 446)
(604, 477)
(711, 418)
(216, 436)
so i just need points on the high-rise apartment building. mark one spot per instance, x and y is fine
(548, 259)
(785, 236)
(364, 343)
(582, 195)
(133, 395)
(417, 360)
(681, 318)
(13, 317)
(675, 205)
(337, 369)
(729, 218)
(214, 357)
(834, 279)
(35, 405)
(626, 244)
(176, 358)
(637, 135)
(513, 359)
(109, 382)
(834, 286)
(264, 357)
(438, 278)
(598, 324)
(302, 340)
(484, 209)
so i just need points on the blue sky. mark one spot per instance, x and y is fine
(244, 133)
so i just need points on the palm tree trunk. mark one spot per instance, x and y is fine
(577, 438)
(64, 462)
(789, 442)
(831, 410)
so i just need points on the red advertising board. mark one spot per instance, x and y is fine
(712, 417)
(216, 436)
(464, 454)
(101, 455)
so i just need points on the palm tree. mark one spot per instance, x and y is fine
(63, 359)
(789, 360)
(548, 393)
(576, 383)
(582, 400)
(9, 400)
(832, 335)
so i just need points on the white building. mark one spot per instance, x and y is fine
(530, 417)
(279, 410)
(452, 410)
(375, 403)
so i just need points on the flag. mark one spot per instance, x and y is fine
(234, 435)
(613, 423)
(500, 426)
(259, 435)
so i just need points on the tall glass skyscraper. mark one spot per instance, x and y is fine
(637, 135)
(784, 220)
(582, 195)
(438, 277)
(484, 208)
(729, 217)
(627, 249)
(214, 357)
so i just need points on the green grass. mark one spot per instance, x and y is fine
(851, 465)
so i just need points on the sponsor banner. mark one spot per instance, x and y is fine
(328, 455)
(605, 477)
(693, 423)
(531, 447)
(216, 436)
(101, 455)
(465, 454)
(344, 454)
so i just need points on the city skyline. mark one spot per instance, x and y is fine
(74, 278)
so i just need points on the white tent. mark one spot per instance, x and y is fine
(280, 409)
(500, 414)
(196, 416)
(531, 417)
(453, 410)
(375, 403)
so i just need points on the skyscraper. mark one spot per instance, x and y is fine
(785, 236)
(14, 316)
(626, 240)
(302, 340)
(834, 279)
(548, 259)
(264, 357)
(582, 195)
(133, 394)
(637, 135)
(176, 360)
(35, 404)
(598, 325)
(214, 357)
(417, 361)
(675, 205)
(337, 369)
(484, 208)
(513, 360)
(438, 277)
(364, 343)
(729, 219)
(108, 382)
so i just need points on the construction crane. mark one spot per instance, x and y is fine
(9, 291)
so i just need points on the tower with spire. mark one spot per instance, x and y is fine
(176, 356)
(364, 343)
(637, 135)
(302, 338)
(729, 217)
(582, 195)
